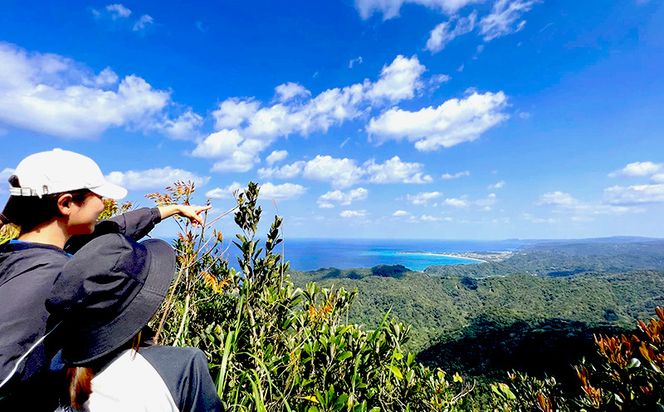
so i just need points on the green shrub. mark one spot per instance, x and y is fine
(273, 346)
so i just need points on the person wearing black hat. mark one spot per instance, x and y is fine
(55, 199)
(103, 299)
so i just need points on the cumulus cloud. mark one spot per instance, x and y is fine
(143, 22)
(505, 18)
(638, 169)
(400, 213)
(498, 185)
(452, 176)
(268, 191)
(284, 172)
(447, 31)
(349, 214)
(423, 198)
(338, 172)
(395, 170)
(453, 122)
(226, 141)
(578, 210)
(329, 199)
(487, 203)
(635, 194)
(118, 11)
(390, 8)
(233, 112)
(153, 178)
(455, 202)
(51, 94)
(276, 156)
(259, 126)
(353, 62)
(557, 198)
(281, 192)
(288, 91)
(345, 172)
(430, 218)
(184, 127)
(399, 80)
(224, 192)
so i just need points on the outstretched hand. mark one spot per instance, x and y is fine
(191, 212)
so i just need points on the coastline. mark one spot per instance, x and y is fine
(479, 257)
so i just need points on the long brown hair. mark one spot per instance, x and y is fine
(80, 378)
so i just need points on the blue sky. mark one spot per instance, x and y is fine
(449, 119)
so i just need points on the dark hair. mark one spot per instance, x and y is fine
(79, 378)
(28, 212)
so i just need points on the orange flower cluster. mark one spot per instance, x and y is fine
(316, 314)
(213, 283)
(593, 394)
(617, 349)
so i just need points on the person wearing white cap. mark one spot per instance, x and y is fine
(55, 199)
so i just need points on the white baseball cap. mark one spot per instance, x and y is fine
(58, 171)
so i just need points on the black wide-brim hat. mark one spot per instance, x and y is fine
(107, 293)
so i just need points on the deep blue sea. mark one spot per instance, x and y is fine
(312, 254)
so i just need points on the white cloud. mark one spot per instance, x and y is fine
(338, 172)
(353, 213)
(438, 79)
(503, 18)
(396, 171)
(284, 172)
(582, 211)
(118, 11)
(487, 203)
(453, 122)
(658, 178)
(638, 169)
(534, 219)
(399, 80)
(498, 185)
(345, 172)
(153, 178)
(328, 200)
(52, 94)
(224, 192)
(423, 198)
(634, 195)
(456, 202)
(400, 213)
(185, 127)
(353, 62)
(288, 91)
(447, 31)
(258, 127)
(452, 176)
(557, 198)
(143, 22)
(430, 218)
(233, 112)
(390, 8)
(276, 156)
(284, 191)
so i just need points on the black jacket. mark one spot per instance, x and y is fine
(27, 272)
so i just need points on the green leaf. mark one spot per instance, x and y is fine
(395, 370)
(344, 355)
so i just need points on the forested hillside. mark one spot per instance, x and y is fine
(551, 296)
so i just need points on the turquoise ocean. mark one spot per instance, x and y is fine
(312, 254)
